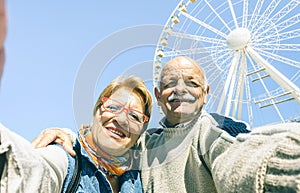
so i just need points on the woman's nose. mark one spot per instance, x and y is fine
(122, 118)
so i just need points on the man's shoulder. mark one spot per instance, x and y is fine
(156, 131)
(229, 124)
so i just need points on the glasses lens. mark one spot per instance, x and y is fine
(112, 106)
(136, 116)
(116, 107)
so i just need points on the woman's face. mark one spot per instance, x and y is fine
(116, 125)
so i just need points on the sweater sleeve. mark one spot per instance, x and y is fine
(266, 160)
(57, 162)
(27, 169)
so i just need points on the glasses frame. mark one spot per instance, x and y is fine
(104, 99)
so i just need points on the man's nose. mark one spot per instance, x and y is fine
(180, 87)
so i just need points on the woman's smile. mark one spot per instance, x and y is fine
(115, 132)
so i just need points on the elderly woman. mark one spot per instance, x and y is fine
(106, 148)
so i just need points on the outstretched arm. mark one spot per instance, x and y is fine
(267, 159)
(2, 37)
(64, 137)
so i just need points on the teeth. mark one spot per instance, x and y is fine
(178, 100)
(116, 132)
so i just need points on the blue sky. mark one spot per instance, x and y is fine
(47, 43)
(61, 54)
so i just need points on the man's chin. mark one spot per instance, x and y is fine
(183, 113)
(182, 106)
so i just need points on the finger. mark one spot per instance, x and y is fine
(69, 148)
(65, 140)
(67, 144)
(43, 140)
(46, 137)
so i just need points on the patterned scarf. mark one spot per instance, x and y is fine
(112, 166)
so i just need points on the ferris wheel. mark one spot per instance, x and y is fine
(250, 51)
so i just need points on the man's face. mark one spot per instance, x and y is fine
(182, 93)
(2, 34)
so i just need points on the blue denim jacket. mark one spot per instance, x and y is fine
(94, 180)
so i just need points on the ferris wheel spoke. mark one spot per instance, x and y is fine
(202, 50)
(199, 38)
(228, 85)
(282, 36)
(281, 14)
(282, 47)
(285, 10)
(288, 23)
(249, 102)
(245, 13)
(218, 15)
(205, 25)
(277, 76)
(266, 14)
(292, 21)
(296, 76)
(223, 59)
(283, 60)
(232, 85)
(255, 14)
(211, 68)
(233, 14)
(267, 99)
(238, 101)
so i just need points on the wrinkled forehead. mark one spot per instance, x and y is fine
(182, 69)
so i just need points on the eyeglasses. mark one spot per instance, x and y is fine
(116, 107)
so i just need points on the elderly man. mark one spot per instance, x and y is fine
(178, 157)
(175, 151)
(192, 154)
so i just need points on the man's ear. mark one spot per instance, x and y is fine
(157, 94)
(205, 94)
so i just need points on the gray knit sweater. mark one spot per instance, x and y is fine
(172, 163)
(267, 160)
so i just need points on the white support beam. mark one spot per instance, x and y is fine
(277, 76)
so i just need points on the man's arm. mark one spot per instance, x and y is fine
(43, 169)
(62, 136)
(267, 159)
(2, 37)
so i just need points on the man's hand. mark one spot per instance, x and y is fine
(54, 135)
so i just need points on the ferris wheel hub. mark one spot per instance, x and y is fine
(238, 38)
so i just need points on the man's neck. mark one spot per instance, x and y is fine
(168, 124)
(183, 121)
